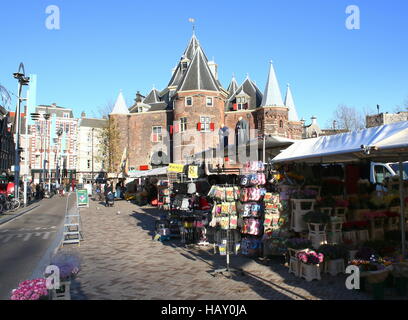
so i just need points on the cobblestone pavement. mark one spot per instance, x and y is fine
(121, 261)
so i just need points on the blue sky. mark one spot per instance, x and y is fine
(105, 46)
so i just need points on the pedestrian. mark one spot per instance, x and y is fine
(108, 191)
(118, 190)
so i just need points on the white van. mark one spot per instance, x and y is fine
(380, 171)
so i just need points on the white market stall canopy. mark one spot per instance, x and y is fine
(149, 173)
(386, 143)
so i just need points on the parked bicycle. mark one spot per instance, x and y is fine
(9, 203)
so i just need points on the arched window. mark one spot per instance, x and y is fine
(280, 124)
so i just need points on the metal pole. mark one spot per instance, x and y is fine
(402, 203)
(264, 142)
(49, 158)
(43, 154)
(17, 145)
(93, 154)
(26, 155)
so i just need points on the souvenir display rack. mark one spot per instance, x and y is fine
(225, 219)
(251, 207)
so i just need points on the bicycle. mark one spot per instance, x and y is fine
(10, 203)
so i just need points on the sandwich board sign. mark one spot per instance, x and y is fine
(82, 198)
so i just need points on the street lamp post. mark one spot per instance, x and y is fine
(57, 171)
(93, 154)
(48, 146)
(22, 81)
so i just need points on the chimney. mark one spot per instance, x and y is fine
(214, 68)
(139, 97)
(314, 120)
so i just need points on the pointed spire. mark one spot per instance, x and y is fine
(198, 75)
(152, 97)
(272, 95)
(120, 105)
(293, 116)
(233, 86)
(191, 48)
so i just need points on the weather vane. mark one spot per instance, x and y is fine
(192, 20)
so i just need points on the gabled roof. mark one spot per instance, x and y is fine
(120, 105)
(198, 75)
(152, 97)
(233, 86)
(272, 95)
(250, 88)
(293, 116)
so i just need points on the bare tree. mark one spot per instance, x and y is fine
(106, 109)
(108, 150)
(402, 107)
(349, 118)
(5, 97)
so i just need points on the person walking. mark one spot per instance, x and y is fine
(107, 192)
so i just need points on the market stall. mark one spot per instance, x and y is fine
(334, 208)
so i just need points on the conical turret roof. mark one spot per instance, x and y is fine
(272, 94)
(199, 75)
(293, 116)
(120, 105)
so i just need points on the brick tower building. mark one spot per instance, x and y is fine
(174, 124)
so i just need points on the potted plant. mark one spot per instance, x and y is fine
(298, 244)
(352, 249)
(35, 289)
(316, 217)
(69, 267)
(400, 273)
(334, 258)
(294, 246)
(310, 264)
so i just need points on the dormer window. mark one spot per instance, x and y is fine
(184, 65)
(189, 101)
(242, 103)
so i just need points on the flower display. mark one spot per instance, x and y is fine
(316, 217)
(374, 263)
(355, 225)
(304, 194)
(30, 290)
(374, 214)
(333, 252)
(298, 243)
(68, 264)
(310, 257)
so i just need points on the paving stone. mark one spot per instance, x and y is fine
(120, 260)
